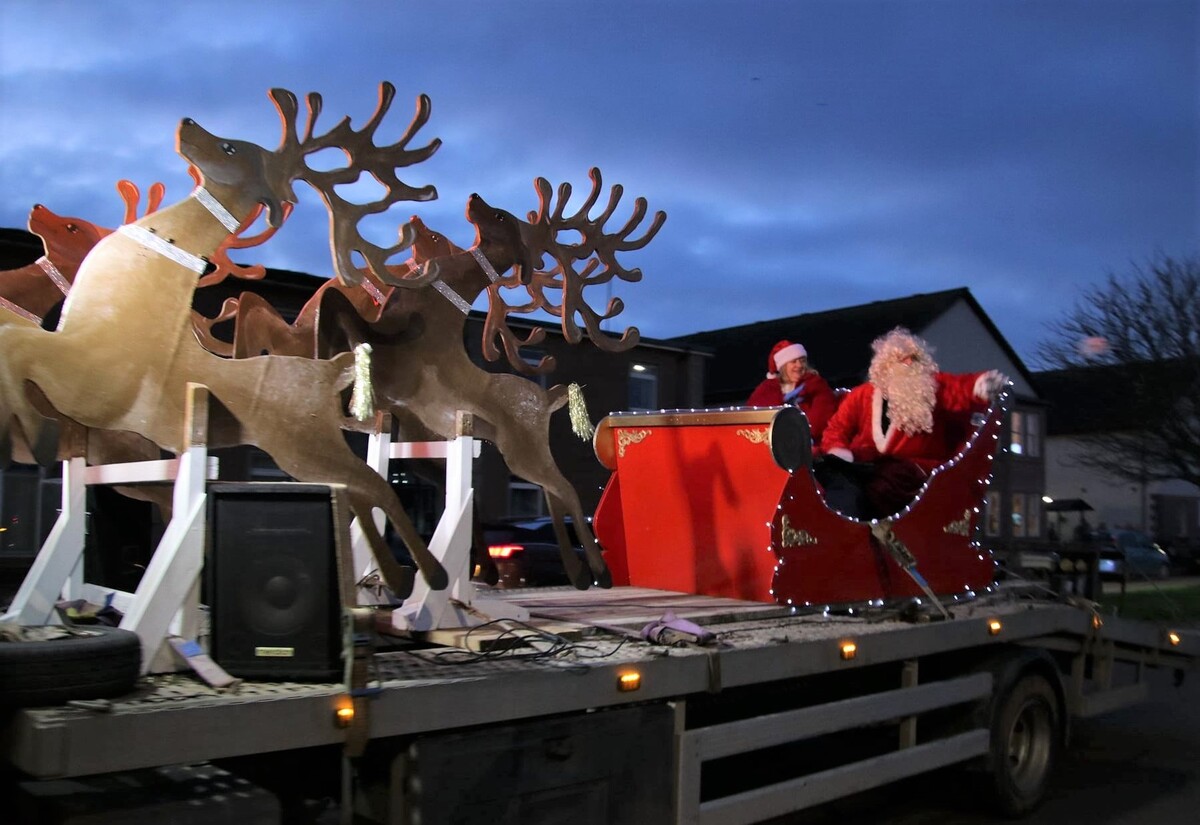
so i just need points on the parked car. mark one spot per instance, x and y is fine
(1130, 555)
(526, 553)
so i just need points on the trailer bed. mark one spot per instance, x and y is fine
(567, 659)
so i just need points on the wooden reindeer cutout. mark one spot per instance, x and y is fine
(422, 374)
(125, 354)
(33, 290)
(260, 330)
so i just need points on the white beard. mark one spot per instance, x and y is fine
(911, 392)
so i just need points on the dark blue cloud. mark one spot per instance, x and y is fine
(810, 155)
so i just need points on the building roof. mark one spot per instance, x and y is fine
(838, 340)
(1110, 397)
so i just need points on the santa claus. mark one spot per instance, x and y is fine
(906, 420)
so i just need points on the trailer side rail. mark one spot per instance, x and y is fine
(695, 747)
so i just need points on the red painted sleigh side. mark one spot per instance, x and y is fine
(697, 504)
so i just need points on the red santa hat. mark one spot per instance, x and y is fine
(781, 353)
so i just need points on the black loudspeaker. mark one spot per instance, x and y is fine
(272, 578)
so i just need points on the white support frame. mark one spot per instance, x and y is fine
(459, 605)
(167, 600)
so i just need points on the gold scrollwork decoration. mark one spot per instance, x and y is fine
(754, 436)
(628, 437)
(959, 527)
(794, 538)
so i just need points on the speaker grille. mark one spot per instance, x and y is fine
(272, 577)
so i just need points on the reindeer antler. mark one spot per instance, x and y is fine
(132, 197)
(496, 328)
(597, 247)
(363, 156)
(223, 266)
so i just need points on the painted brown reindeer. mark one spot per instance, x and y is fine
(423, 375)
(33, 290)
(124, 355)
(259, 329)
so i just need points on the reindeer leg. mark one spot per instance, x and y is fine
(368, 489)
(399, 579)
(579, 575)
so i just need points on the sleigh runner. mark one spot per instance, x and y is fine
(724, 503)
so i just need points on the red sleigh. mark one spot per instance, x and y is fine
(703, 502)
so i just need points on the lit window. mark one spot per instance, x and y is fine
(1025, 433)
(1017, 516)
(991, 512)
(1033, 517)
(643, 387)
(1033, 434)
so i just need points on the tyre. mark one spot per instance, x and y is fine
(1026, 737)
(99, 662)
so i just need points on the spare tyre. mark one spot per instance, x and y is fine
(84, 662)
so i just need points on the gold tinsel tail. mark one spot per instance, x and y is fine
(362, 399)
(581, 422)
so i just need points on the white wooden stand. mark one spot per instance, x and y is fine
(167, 598)
(458, 605)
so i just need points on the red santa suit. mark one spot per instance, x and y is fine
(815, 399)
(858, 424)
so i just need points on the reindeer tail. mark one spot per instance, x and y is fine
(581, 422)
(362, 399)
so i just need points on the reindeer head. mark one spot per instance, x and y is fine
(67, 240)
(428, 244)
(248, 174)
(495, 226)
(236, 168)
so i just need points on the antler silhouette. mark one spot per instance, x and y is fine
(596, 246)
(363, 156)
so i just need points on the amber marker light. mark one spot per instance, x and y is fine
(629, 681)
(343, 715)
(1097, 622)
(994, 627)
(1173, 637)
(849, 650)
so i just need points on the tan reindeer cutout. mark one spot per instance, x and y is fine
(423, 376)
(124, 354)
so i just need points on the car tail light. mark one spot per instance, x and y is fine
(504, 551)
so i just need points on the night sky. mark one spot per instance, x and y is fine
(810, 155)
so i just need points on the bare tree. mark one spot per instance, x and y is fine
(1130, 351)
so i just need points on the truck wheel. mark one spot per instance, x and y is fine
(99, 663)
(1025, 744)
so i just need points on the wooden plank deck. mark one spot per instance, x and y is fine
(573, 614)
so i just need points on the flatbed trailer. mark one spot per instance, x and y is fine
(574, 714)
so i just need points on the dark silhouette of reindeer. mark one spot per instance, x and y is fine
(422, 374)
(125, 353)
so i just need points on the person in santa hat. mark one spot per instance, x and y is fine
(790, 380)
(906, 420)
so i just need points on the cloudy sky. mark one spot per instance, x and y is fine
(810, 155)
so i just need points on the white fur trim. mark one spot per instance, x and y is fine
(877, 433)
(989, 383)
(842, 453)
(789, 353)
